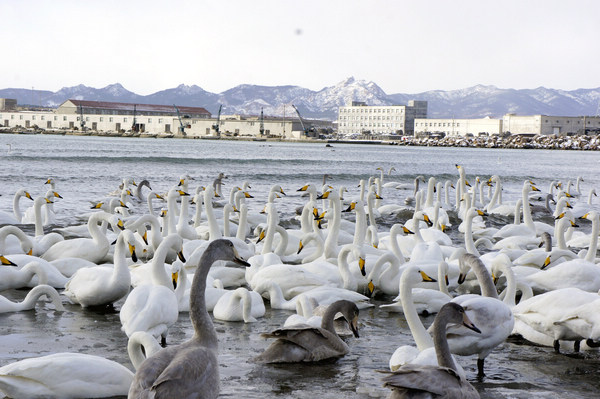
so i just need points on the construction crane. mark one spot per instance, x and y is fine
(262, 123)
(81, 121)
(304, 128)
(181, 125)
(216, 125)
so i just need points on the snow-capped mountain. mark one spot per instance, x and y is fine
(472, 102)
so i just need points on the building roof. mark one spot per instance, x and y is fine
(167, 109)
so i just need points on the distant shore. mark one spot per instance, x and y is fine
(545, 142)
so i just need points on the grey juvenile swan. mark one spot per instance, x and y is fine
(191, 369)
(305, 343)
(442, 381)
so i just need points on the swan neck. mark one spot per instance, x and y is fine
(421, 336)
(204, 330)
(442, 348)
(591, 254)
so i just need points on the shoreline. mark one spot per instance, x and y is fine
(550, 142)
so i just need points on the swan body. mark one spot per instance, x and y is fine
(239, 305)
(52, 275)
(304, 343)
(101, 285)
(65, 376)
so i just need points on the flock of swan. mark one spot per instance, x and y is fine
(205, 252)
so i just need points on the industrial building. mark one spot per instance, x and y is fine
(360, 119)
(112, 118)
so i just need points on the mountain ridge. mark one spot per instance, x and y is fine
(472, 102)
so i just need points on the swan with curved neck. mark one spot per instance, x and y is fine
(32, 298)
(191, 367)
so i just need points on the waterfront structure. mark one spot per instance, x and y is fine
(548, 124)
(360, 119)
(108, 118)
(457, 127)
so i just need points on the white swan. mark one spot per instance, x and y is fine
(104, 285)
(190, 368)
(21, 243)
(14, 277)
(94, 249)
(31, 300)
(239, 305)
(52, 276)
(140, 346)
(495, 318)
(16, 216)
(153, 308)
(65, 376)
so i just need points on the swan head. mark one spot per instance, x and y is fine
(223, 249)
(350, 312)
(455, 314)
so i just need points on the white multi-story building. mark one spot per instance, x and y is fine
(458, 127)
(360, 119)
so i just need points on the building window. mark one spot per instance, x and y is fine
(160, 120)
(55, 117)
(101, 119)
(64, 118)
(87, 118)
(21, 117)
(43, 117)
(32, 117)
(110, 119)
(149, 120)
(125, 119)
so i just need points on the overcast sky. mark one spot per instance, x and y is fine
(403, 46)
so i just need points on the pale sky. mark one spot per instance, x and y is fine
(403, 46)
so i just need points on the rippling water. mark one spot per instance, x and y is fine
(88, 168)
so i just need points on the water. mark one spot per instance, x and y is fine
(88, 168)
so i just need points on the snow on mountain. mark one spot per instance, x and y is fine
(471, 102)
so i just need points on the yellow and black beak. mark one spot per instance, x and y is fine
(6, 262)
(180, 256)
(174, 278)
(361, 266)
(57, 195)
(351, 207)
(371, 288)
(325, 195)
(145, 237)
(261, 236)
(97, 206)
(300, 247)
(407, 231)
(132, 252)
(546, 263)
(303, 188)
(426, 277)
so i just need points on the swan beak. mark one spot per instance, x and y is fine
(134, 183)
(180, 256)
(5, 262)
(426, 277)
(407, 231)
(30, 252)
(159, 196)
(546, 263)
(27, 195)
(57, 195)
(300, 247)
(371, 288)
(247, 195)
(481, 213)
(325, 195)
(461, 278)
(354, 326)
(145, 237)
(174, 277)
(534, 188)
(569, 206)
(351, 207)
(361, 266)
(183, 193)
(262, 237)
(49, 181)
(574, 224)
(123, 205)
(48, 201)
(163, 213)
(238, 259)
(427, 220)
(467, 183)
(447, 280)
(281, 191)
(585, 216)
(469, 324)
(303, 188)
(457, 166)
(97, 206)
(494, 278)
(377, 196)
(181, 182)
(132, 252)
(568, 195)
(560, 216)
(321, 216)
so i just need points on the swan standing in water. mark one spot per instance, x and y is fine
(304, 343)
(189, 370)
(443, 380)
